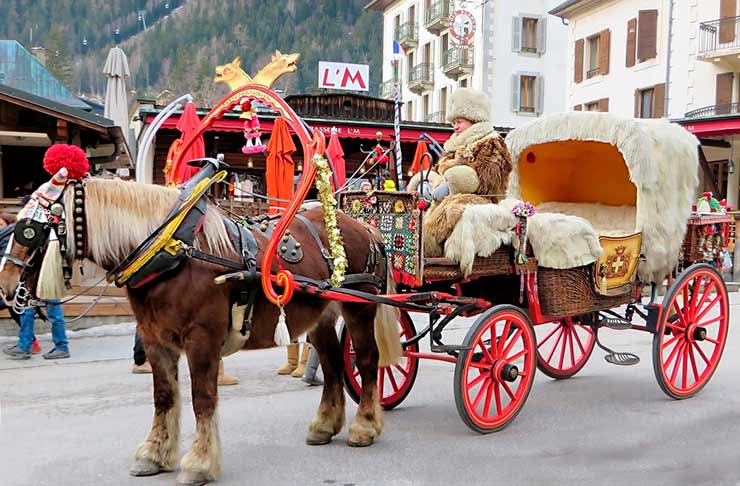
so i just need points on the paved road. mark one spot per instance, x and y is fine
(77, 422)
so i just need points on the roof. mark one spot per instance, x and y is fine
(570, 8)
(55, 108)
(21, 70)
(379, 5)
(92, 121)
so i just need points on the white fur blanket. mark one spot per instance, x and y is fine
(558, 240)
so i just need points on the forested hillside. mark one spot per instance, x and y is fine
(176, 44)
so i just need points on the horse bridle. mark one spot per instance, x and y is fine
(34, 235)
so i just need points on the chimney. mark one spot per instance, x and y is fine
(40, 54)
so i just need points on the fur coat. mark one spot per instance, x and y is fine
(476, 166)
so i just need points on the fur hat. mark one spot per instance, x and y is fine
(470, 104)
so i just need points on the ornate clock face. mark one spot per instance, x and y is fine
(462, 26)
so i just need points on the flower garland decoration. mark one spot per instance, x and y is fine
(522, 211)
(329, 205)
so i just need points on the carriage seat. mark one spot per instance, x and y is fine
(606, 220)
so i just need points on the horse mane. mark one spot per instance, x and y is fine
(129, 212)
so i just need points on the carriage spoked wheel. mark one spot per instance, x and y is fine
(494, 375)
(394, 382)
(692, 332)
(563, 347)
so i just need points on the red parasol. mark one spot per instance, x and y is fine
(187, 124)
(416, 165)
(279, 173)
(336, 154)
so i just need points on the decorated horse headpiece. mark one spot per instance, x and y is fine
(42, 221)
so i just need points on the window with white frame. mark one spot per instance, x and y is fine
(527, 93)
(528, 34)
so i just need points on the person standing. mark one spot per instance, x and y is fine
(26, 336)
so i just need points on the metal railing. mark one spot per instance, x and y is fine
(438, 13)
(719, 34)
(436, 117)
(386, 89)
(407, 33)
(422, 73)
(714, 110)
(457, 56)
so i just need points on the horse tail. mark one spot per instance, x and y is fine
(387, 332)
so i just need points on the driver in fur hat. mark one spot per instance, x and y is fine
(474, 168)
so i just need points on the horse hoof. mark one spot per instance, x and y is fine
(144, 467)
(360, 441)
(193, 478)
(318, 438)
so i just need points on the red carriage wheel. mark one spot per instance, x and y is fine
(692, 332)
(494, 375)
(563, 347)
(394, 382)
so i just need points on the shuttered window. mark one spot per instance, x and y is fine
(631, 42)
(578, 62)
(604, 105)
(527, 93)
(650, 102)
(528, 34)
(723, 94)
(647, 35)
(578, 108)
(727, 10)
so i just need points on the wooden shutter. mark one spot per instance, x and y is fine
(578, 108)
(637, 103)
(515, 84)
(724, 92)
(727, 10)
(604, 37)
(631, 42)
(539, 90)
(541, 34)
(578, 64)
(604, 104)
(516, 34)
(647, 35)
(659, 100)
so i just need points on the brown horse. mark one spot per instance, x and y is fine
(186, 312)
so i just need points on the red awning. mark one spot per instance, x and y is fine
(712, 128)
(344, 131)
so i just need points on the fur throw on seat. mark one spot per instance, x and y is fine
(558, 240)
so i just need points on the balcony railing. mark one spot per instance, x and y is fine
(715, 110)
(718, 35)
(436, 117)
(437, 16)
(386, 89)
(457, 61)
(408, 34)
(421, 77)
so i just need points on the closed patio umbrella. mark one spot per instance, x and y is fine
(188, 124)
(336, 154)
(420, 162)
(280, 167)
(116, 101)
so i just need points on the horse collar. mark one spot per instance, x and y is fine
(80, 223)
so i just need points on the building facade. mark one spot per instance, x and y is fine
(510, 50)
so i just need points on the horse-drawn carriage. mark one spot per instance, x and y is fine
(613, 197)
(633, 182)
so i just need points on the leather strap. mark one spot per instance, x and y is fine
(311, 229)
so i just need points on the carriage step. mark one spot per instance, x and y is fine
(446, 348)
(622, 359)
(615, 323)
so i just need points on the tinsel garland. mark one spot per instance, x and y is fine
(329, 205)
